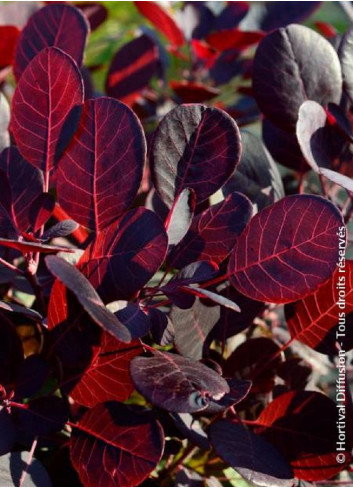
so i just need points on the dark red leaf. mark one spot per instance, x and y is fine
(9, 35)
(302, 426)
(125, 255)
(41, 210)
(227, 219)
(131, 315)
(116, 445)
(176, 383)
(61, 26)
(233, 39)
(303, 58)
(96, 13)
(108, 376)
(192, 92)
(257, 359)
(180, 216)
(250, 455)
(132, 68)
(257, 175)
(45, 107)
(288, 249)
(310, 320)
(100, 172)
(195, 147)
(73, 279)
(193, 327)
(26, 184)
(162, 21)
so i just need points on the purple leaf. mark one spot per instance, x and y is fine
(226, 219)
(33, 247)
(131, 315)
(45, 107)
(212, 296)
(257, 175)
(43, 416)
(310, 71)
(132, 68)
(281, 257)
(116, 445)
(195, 147)
(125, 255)
(250, 455)
(73, 279)
(239, 389)
(26, 184)
(176, 383)
(60, 229)
(180, 216)
(162, 328)
(100, 172)
(193, 326)
(61, 26)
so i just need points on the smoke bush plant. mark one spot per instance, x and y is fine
(163, 316)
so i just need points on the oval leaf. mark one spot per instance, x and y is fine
(310, 70)
(176, 383)
(62, 26)
(288, 250)
(100, 172)
(116, 445)
(195, 147)
(45, 107)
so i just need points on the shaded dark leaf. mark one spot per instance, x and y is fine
(43, 416)
(239, 389)
(8, 433)
(191, 429)
(250, 455)
(32, 375)
(162, 328)
(41, 210)
(131, 315)
(306, 60)
(33, 247)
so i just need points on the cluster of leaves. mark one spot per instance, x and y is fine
(161, 316)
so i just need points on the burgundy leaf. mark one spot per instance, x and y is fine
(288, 250)
(96, 13)
(125, 255)
(60, 229)
(131, 315)
(33, 247)
(108, 376)
(257, 175)
(257, 359)
(193, 326)
(176, 383)
(306, 60)
(132, 68)
(73, 279)
(116, 445)
(302, 426)
(100, 172)
(191, 92)
(61, 26)
(311, 320)
(250, 455)
(162, 21)
(226, 219)
(26, 184)
(230, 322)
(45, 108)
(162, 328)
(43, 416)
(195, 147)
(32, 375)
(180, 216)
(9, 35)
(25, 311)
(225, 39)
